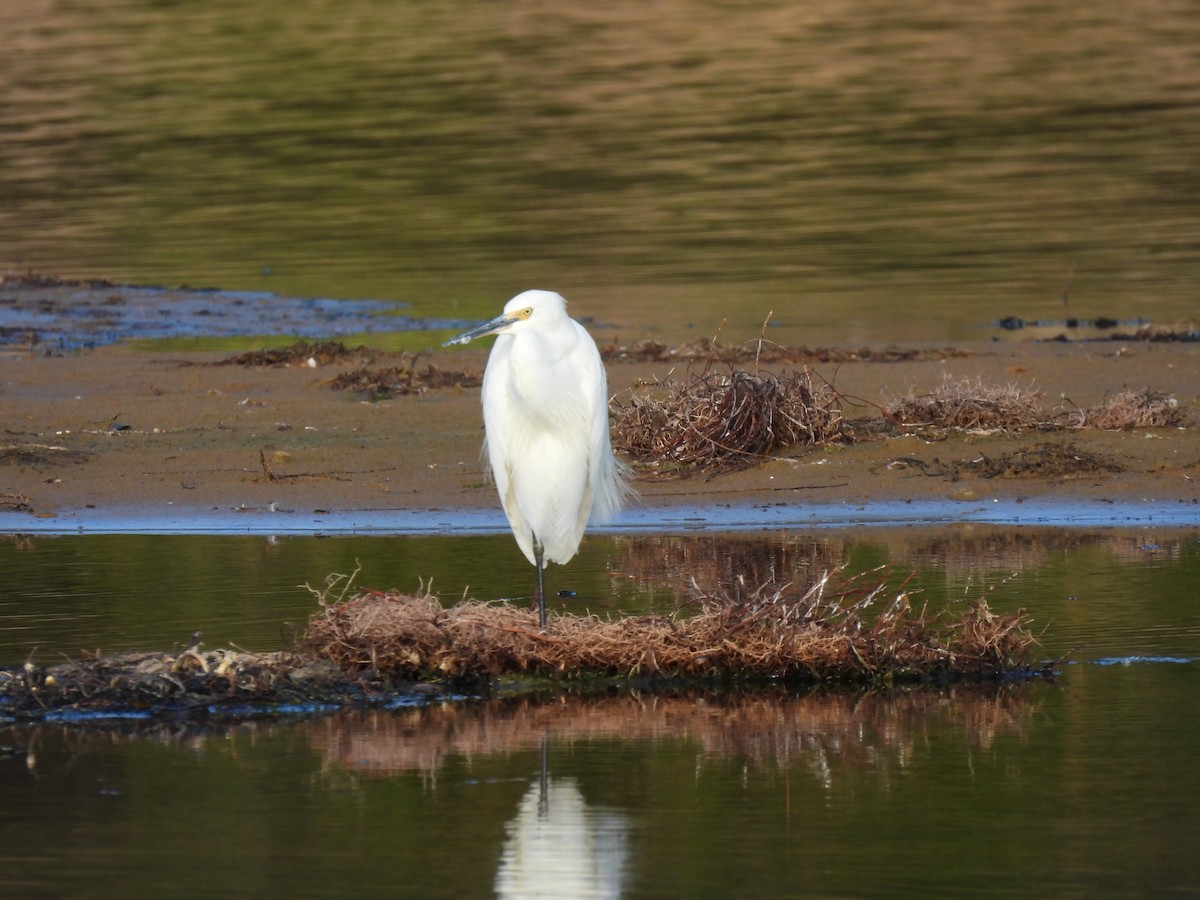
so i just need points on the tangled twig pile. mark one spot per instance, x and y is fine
(820, 634)
(713, 421)
(972, 404)
(1131, 409)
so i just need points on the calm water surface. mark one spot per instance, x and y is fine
(866, 171)
(1077, 788)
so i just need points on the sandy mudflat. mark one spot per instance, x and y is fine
(118, 429)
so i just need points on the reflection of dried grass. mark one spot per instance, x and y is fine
(833, 734)
(971, 404)
(717, 421)
(740, 563)
(821, 633)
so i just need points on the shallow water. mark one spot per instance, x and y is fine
(1077, 787)
(1102, 592)
(1076, 791)
(866, 172)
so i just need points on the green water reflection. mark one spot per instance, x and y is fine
(1098, 593)
(1080, 787)
(1079, 790)
(867, 171)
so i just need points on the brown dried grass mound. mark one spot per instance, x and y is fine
(821, 634)
(1131, 409)
(714, 422)
(406, 378)
(971, 404)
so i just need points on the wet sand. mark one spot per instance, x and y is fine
(121, 430)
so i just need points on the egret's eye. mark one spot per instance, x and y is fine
(527, 312)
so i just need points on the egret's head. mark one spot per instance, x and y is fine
(527, 309)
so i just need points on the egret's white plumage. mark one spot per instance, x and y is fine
(545, 414)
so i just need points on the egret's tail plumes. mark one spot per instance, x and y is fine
(611, 491)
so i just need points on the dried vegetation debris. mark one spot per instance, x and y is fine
(709, 421)
(762, 351)
(1130, 409)
(33, 454)
(192, 679)
(302, 353)
(11, 501)
(974, 405)
(823, 633)
(366, 647)
(1182, 330)
(715, 421)
(408, 377)
(1047, 460)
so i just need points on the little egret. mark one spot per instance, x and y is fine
(545, 419)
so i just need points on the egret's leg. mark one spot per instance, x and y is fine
(538, 552)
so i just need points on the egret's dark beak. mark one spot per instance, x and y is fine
(479, 331)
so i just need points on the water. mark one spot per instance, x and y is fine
(964, 793)
(1100, 592)
(1081, 787)
(867, 172)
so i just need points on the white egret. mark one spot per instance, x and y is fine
(545, 418)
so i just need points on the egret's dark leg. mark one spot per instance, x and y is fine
(538, 552)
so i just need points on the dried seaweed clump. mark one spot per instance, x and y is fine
(1183, 330)
(817, 635)
(406, 378)
(301, 353)
(765, 352)
(713, 422)
(151, 682)
(1131, 409)
(973, 405)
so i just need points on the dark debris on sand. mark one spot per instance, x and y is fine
(307, 354)
(766, 352)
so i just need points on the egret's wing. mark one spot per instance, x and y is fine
(497, 421)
